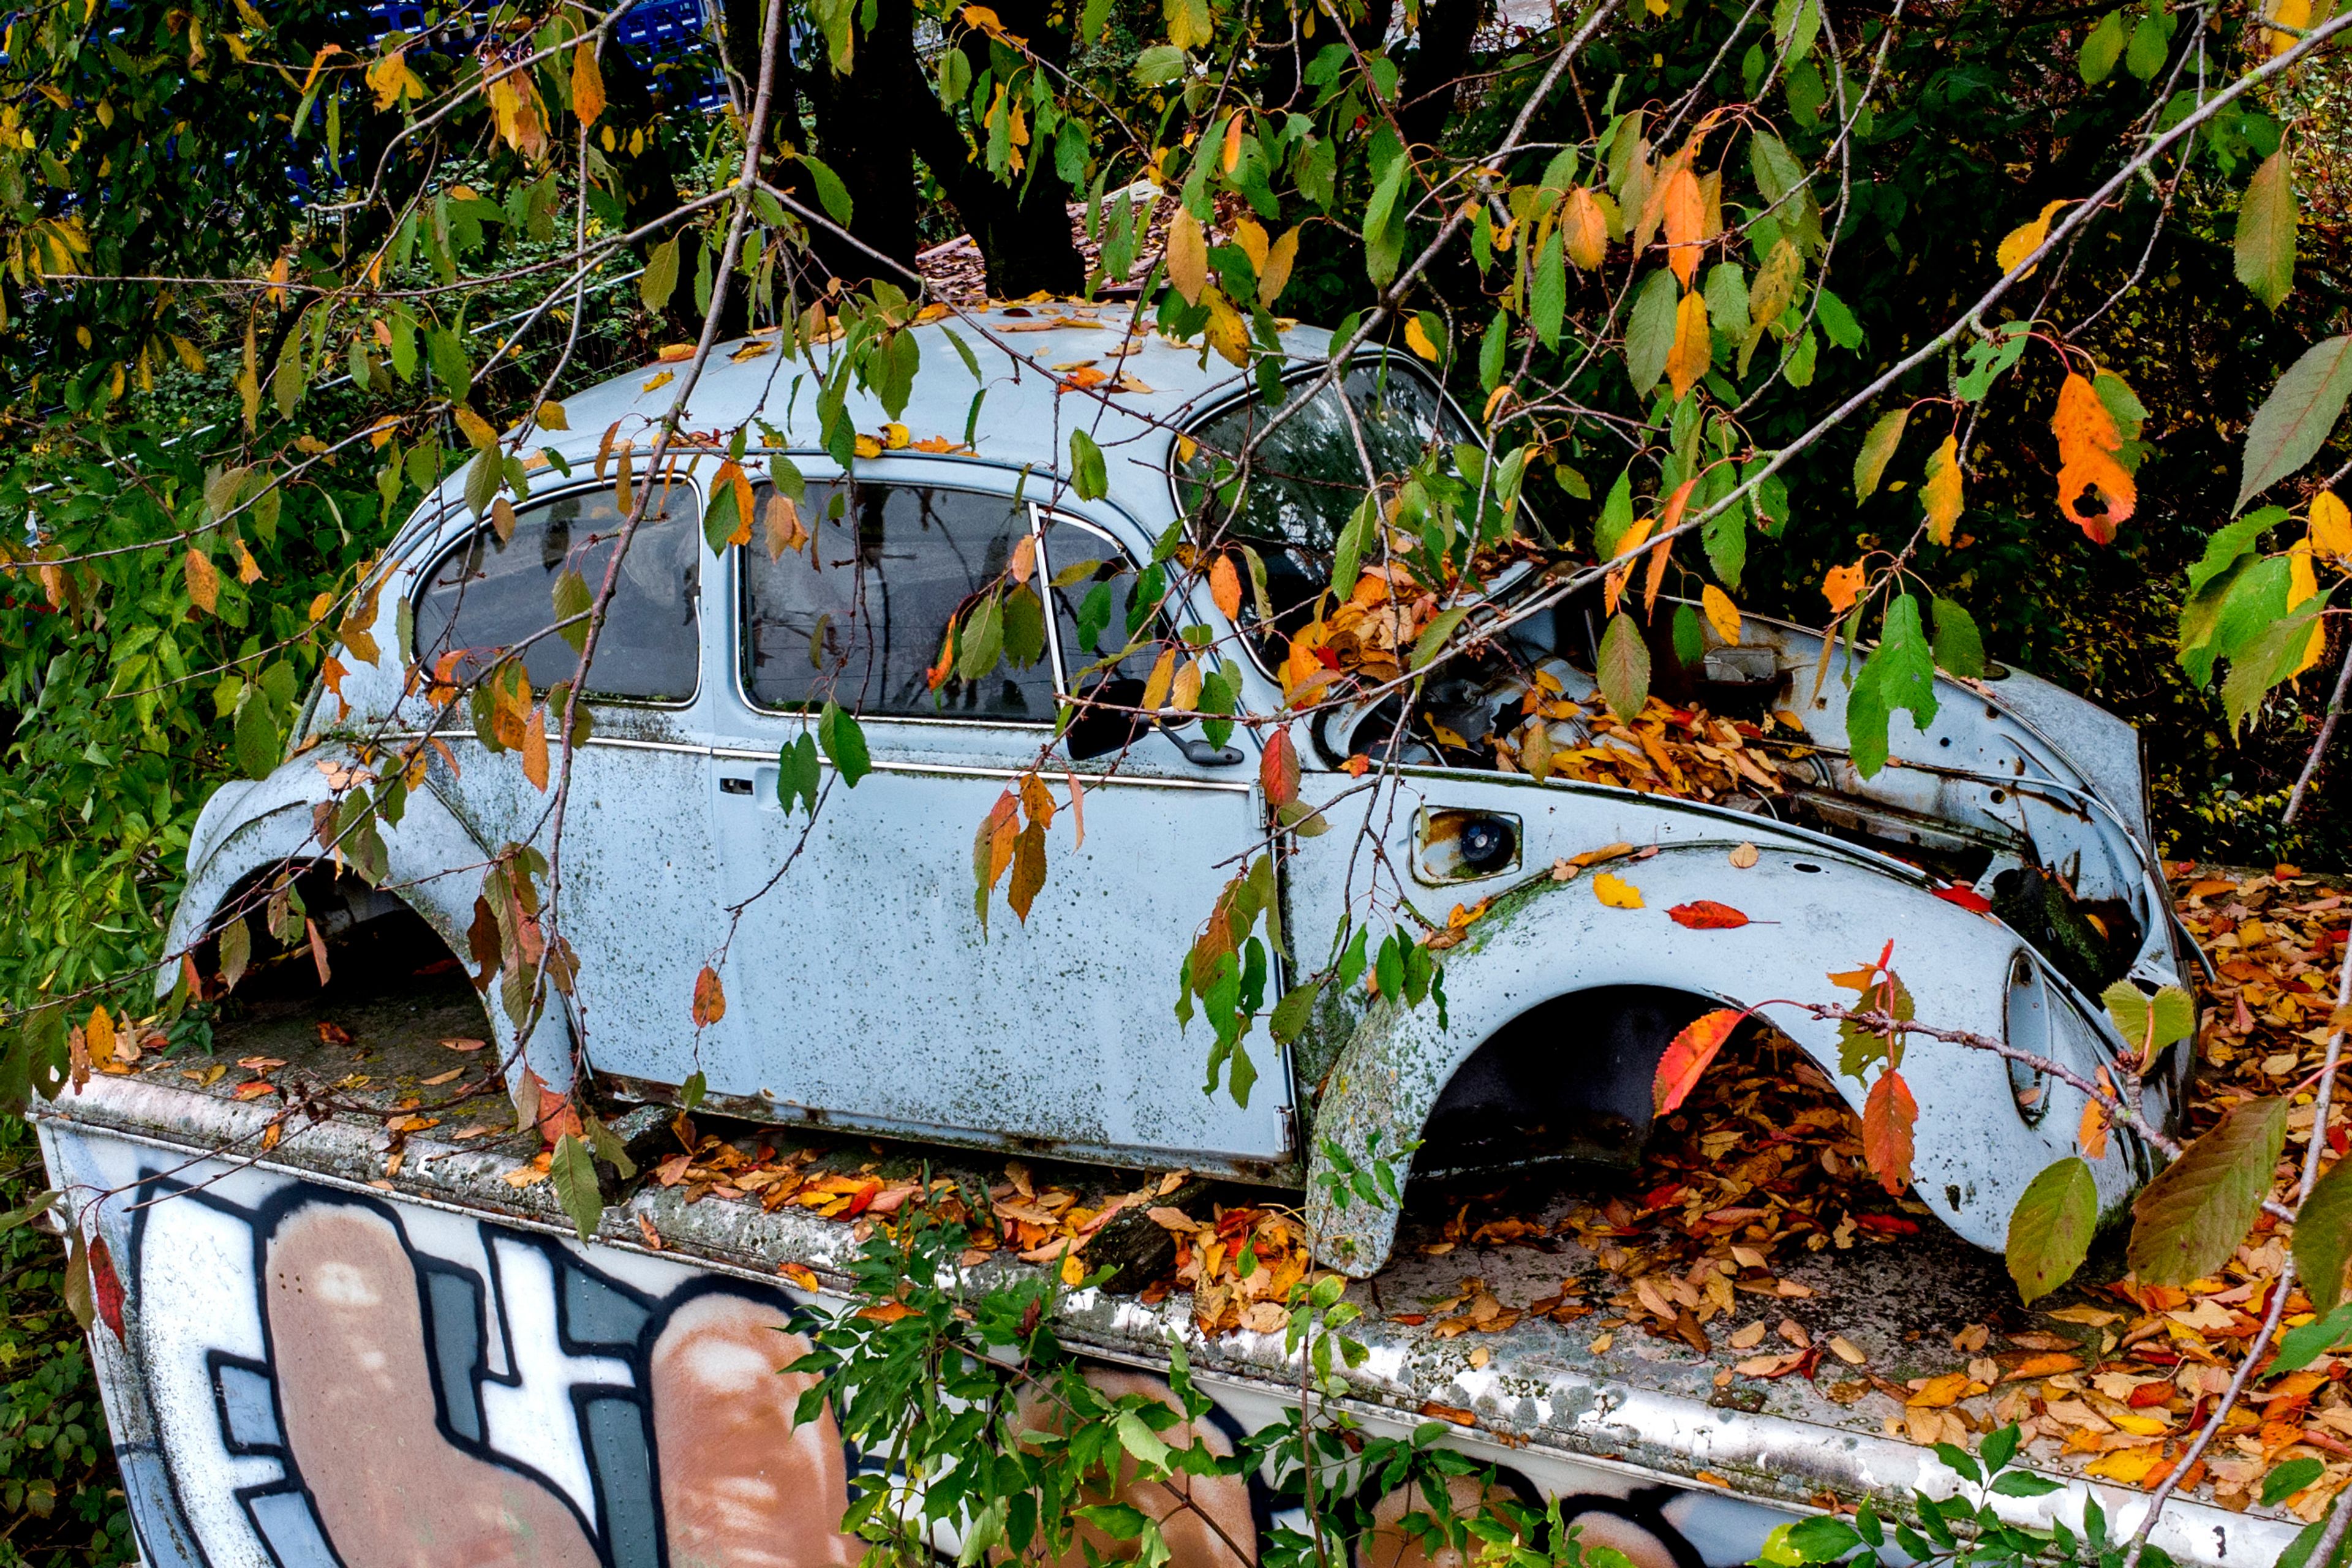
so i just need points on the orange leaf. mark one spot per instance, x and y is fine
(1706, 914)
(204, 580)
(1225, 587)
(2087, 444)
(710, 998)
(1278, 769)
(1841, 585)
(534, 749)
(1888, 1117)
(1693, 349)
(557, 1116)
(1686, 221)
(1688, 1056)
(2092, 1134)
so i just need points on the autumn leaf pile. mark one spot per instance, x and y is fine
(1682, 751)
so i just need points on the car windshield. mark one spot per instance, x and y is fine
(1308, 474)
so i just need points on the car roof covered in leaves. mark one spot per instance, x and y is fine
(1038, 364)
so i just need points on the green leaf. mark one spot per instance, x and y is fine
(573, 599)
(1838, 322)
(2049, 1230)
(1548, 292)
(1140, 1441)
(659, 278)
(1649, 335)
(607, 1145)
(718, 519)
(1624, 666)
(2288, 1479)
(1347, 555)
(830, 192)
(1088, 475)
(2102, 48)
(18, 1218)
(797, 778)
(2151, 39)
(845, 743)
(2266, 224)
(1877, 451)
(1959, 650)
(2175, 1015)
(2025, 1483)
(2268, 661)
(2200, 1207)
(1158, 65)
(1293, 1011)
(2323, 1238)
(979, 641)
(1384, 218)
(691, 1092)
(256, 742)
(2306, 1542)
(1433, 638)
(575, 1184)
(2295, 419)
(2297, 1347)
(1901, 673)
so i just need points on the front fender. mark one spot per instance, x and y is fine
(254, 826)
(1974, 1150)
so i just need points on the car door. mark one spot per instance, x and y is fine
(863, 985)
(636, 862)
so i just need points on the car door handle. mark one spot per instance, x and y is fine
(1202, 755)
(730, 784)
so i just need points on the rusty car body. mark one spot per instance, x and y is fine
(864, 994)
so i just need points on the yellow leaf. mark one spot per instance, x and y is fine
(2295, 14)
(101, 1037)
(783, 525)
(1184, 690)
(1188, 255)
(661, 380)
(2331, 526)
(1616, 892)
(1721, 612)
(587, 83)
(478, 429)
(1163, 676)
(1251, 237)
(1274, 276)
(1228, 334)
(204, 580)
(868, 447)
(2129, 1466)
(894, 436)
(1584, 230)
(1417, 339)
(2026, 238)
(1941, 493)
(534, 750)
(551, 418)
(2301, 581)
(1693, 348)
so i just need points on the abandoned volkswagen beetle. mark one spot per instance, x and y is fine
(864, 994)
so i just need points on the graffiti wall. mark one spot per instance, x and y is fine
(308, 1377)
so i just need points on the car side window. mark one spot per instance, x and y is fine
(1092, 586)
(487, 595)
(857, 613)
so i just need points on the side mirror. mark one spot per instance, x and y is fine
(1097, 732)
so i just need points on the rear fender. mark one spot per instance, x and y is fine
(1546, 941)
(252, 828)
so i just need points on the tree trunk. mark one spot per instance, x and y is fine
(1023, 228)
(1443, 52)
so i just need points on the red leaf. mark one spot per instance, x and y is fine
(1706, 914)
(1967, 898)
(106, 1286)
(1278, 769)
(710, 998)
(1688, 1056)
(1888, 1117)
(557, 1116)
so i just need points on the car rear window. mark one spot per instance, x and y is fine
(487, 595)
